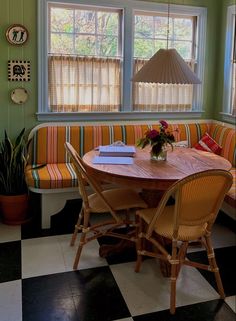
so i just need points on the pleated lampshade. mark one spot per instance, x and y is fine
(166, 66)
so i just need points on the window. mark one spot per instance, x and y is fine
(229, 101)
(88, 54)
(83, 59)
(233, 95)
(151, 33)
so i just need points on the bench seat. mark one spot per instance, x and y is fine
(52, 176)
(57, 182)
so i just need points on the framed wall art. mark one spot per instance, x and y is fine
(17, 34)
(18, 70)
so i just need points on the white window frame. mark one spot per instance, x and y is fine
(228, 69)
(126, 112)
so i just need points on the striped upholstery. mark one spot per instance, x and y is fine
(59, 175)
(231, 195)
(47, 147)
(226, 138)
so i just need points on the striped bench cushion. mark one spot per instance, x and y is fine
(51, 176)
(225, 137)
(231, 195)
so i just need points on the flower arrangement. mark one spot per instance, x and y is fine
(158, 139)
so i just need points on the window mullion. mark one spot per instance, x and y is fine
(74, 34)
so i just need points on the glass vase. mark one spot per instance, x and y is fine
(161, 156)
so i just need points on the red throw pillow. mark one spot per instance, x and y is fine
(208, 144)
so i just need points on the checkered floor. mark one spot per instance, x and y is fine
(37, 282)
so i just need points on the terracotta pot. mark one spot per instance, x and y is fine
(14, 208)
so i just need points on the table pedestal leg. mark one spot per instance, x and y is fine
(107, 249)
(152, 197)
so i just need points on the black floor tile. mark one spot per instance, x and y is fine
(227, 265)
(61, 223)
(227, 221)
(122, 251)
(84, 295)
(215, 310)
(10, 261)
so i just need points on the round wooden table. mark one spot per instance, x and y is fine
(153, 177)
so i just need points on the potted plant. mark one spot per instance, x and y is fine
(13, 188)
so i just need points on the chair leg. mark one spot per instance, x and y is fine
(139, 242)
(174, 272)
(181, 255)
(213, 265)
(82, 240)
(77, 227)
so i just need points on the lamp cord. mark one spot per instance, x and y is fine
(168, 25)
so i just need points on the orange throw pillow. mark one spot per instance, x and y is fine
(208, 144)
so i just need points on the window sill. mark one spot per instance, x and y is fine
(229, 118)
(117, 116)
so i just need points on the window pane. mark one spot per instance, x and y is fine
(61, 20)
(84, 21)
(143, 27)
(183, 48)
(160, 44)
(183, 29)
(143, 48)
(160, 26)
(62, 43)
(107, 46)
(85, 45)
(107, 23)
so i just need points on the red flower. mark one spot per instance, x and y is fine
(164, 124)
(152, 134)
(157, 139)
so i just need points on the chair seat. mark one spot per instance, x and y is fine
(119, 198)
(164, 225)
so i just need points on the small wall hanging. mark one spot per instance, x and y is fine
(17, 34)
(19, 96)
(18, 70)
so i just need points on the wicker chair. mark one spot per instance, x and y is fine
(113, 201)
(198, 199)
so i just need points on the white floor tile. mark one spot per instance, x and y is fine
(231, 301)
(10, 301)
(9, 233)
(41, 256)
(53, 254)
(148, 291)
(89, 257)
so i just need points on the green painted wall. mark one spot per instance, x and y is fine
(14, 117)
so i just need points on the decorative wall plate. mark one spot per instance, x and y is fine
(19, 96)
(17, 34)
